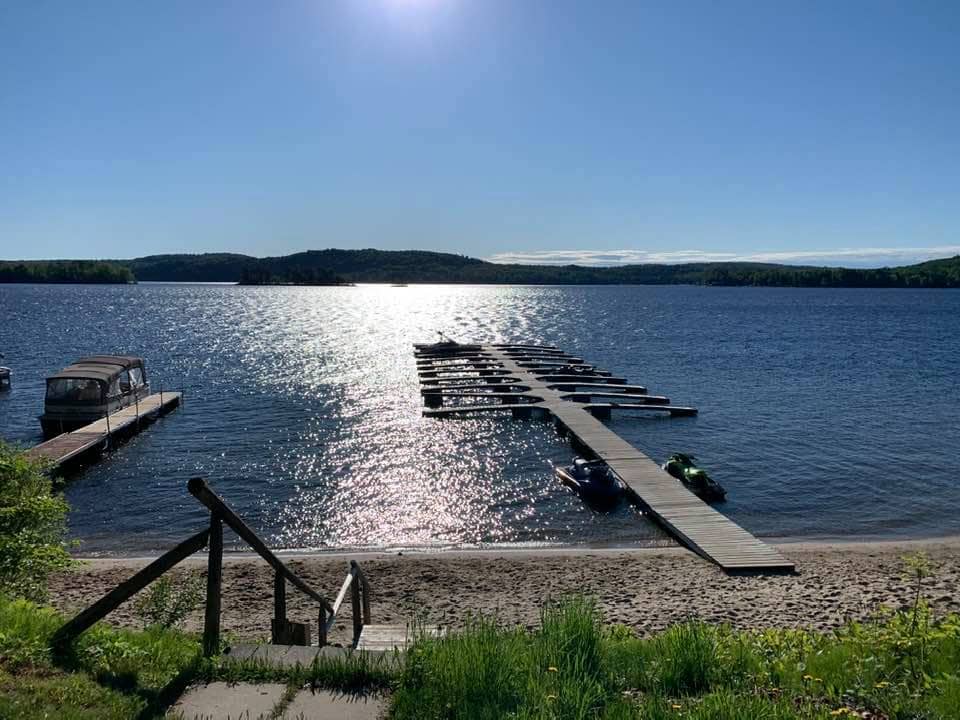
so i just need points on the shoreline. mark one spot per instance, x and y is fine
(785, 544)
(647, 589)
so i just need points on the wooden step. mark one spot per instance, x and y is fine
(392, 637)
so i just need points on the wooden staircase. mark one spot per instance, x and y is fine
(290, 641)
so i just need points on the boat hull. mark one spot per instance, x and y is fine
(599, 494)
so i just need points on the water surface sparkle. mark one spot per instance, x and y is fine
(303, 410)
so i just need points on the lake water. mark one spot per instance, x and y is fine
(825, 413)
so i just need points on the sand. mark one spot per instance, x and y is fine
(647, 589)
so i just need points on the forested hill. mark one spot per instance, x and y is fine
(415, 266)
(324, 267)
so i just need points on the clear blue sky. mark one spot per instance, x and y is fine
(546, 129)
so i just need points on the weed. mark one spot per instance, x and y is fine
(166, 604)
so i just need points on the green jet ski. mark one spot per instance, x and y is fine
(683, 468)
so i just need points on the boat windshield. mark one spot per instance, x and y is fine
(73, 390)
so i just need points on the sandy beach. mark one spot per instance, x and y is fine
(646, 589)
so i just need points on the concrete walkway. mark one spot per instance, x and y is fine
(268, 701)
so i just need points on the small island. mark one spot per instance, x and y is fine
(296, 276)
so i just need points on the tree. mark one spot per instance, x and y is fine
(33, 527)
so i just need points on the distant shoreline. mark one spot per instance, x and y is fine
(402, 267)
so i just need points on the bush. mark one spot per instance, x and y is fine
(32, 527)
(166, 605)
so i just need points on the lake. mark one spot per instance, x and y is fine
(825, 413)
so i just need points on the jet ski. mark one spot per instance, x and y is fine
(593, 481)
(695, 479)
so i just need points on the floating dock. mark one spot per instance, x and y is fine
(531, 380)
(97, 435)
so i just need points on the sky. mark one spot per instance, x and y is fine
(591, 131)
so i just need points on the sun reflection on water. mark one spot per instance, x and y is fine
(303, 409)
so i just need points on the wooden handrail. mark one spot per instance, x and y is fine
(356, 583)
(221, 513)
(127, 589)
(199, 489)
(282, 631)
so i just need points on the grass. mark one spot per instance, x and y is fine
(574, 667)
(903, 665)
(124, 674)
(110, 673)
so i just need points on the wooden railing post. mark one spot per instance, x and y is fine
(366, 603)
(284, 632)
(364, 591)
(211, 620)
(322, 627)
(279, 630)
(355, 606)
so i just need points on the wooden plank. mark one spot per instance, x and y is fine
(390, 637)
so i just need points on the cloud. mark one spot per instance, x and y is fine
(862, 257)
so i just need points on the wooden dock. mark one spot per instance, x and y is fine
(97, 435)
(532, 380)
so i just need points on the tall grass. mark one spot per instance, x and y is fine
(904, 665)
(899, 666)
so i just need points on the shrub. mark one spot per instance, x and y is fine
(32, 527)
(166, 605)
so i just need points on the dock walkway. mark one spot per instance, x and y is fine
(69, 446)
(693, 522)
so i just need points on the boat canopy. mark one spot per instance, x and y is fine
(122, 360)
(99, 367)
(80, 380)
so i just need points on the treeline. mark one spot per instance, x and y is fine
(933, 274)
(338, 267)
(65, 271)
(417, 266)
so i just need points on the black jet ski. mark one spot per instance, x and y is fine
(593, 481)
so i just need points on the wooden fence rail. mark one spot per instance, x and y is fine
(127, 589)
(282, 630)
